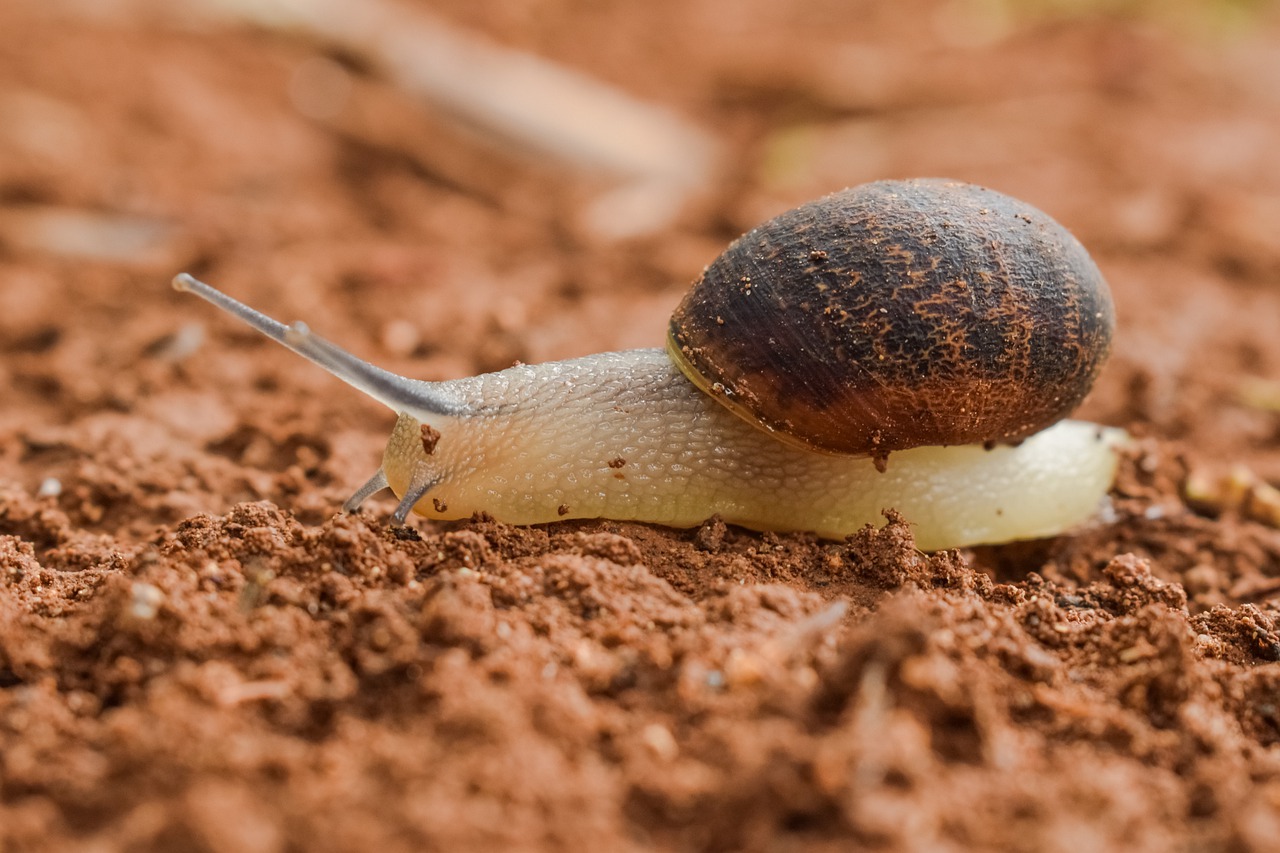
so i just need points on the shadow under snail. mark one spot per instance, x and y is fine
(906, 344)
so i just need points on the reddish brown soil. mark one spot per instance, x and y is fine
(198, 653)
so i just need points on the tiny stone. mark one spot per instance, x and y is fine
(1201, 579)
(710, 535)
(1261, 394)
(1263, 504)
(400, 337)
(743, 669)
(660, 740)
(146, 601)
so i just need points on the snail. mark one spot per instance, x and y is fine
(907, 344)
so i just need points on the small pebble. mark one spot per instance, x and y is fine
(146, 601)
(660, 741)
(400, 337)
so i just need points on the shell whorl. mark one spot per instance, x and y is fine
(899, 314)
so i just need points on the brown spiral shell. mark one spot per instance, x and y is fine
(898, 314)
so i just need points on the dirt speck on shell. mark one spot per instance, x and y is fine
(198, 653)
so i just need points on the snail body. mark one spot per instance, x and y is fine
(647, 435)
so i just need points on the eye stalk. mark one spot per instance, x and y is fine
(393, 391)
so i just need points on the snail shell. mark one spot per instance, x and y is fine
(898, 314)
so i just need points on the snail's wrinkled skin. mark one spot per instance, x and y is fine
(898, 314)
(626, 436)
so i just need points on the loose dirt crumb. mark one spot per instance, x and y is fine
(430, 438)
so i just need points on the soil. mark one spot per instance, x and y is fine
(199, 652)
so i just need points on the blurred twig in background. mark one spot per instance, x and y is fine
(653, 160)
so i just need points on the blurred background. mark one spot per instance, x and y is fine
(449, 187)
